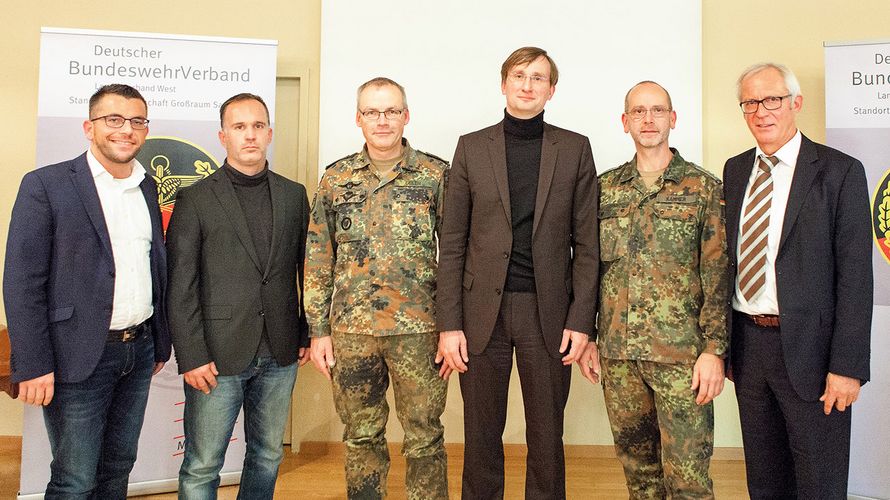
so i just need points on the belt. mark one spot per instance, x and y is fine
(128, 334)
(764, 320)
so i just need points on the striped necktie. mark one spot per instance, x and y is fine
(755, 230)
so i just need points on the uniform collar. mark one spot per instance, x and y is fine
(675, 171)
(363, 160)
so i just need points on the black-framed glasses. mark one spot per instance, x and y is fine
(770, 103)
(389, 114)
(638, 113)
(117, 121)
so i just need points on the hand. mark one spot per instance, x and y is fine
(202, 378)
(578, 341)
(707, 377)
(589, 362)
(38, 391)
(840, 392)
(302, 356)
(452, 353)
(159, 365)
(321, 351)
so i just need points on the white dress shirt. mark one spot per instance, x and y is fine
(767, 301)
(129, 228)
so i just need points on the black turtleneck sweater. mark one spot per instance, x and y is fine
(523, 140)
(255, 200)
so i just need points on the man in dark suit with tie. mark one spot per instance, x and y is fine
(798, 234)
(518, 264)
(83, 288)
(236, 243)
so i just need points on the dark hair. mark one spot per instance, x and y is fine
(526, 55)
(244, 96)
(120, 89)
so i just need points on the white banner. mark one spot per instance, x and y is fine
(184, 79)
(857, 121)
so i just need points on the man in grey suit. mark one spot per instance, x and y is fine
(518, 264)
(236, 244)
(798, 231)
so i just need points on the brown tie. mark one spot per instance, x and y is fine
(755, 230)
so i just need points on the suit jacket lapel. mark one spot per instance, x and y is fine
(805, 172)
(497, 155)
(276, 192)
(82, 178)
(545, 174)
(736, 184)
(225, 193)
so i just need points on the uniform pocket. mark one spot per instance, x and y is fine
(412, 219)
(676, 230)
(349, 204)
(614, 230)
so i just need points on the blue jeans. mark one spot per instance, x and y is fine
(94, 425)
(264, 388)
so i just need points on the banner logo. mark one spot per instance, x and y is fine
(174, 163)
(881, 216)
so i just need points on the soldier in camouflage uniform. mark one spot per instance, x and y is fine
(370, 290)
(663, 306)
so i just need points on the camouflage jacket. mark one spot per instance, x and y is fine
(663, 264)
(371, 247)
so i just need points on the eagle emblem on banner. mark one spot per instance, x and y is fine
(881, 216)
(174, 163)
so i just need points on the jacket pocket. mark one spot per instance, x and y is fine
(614, 231)
(217, 312)
(61, 314)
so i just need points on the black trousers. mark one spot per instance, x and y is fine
(792, 449)
(545, 389)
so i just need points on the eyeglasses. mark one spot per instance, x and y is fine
(638, 113)
(770, 103)
(374, 114)
(117, 121)
(519, 78)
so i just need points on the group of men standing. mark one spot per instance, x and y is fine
(638, 276)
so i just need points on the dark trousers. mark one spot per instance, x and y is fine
(792, 449)
(545, 390)
(94, 425)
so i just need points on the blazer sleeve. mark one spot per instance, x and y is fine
(453, 243)
(585, 247)
(25, 278)
(301, 264)
(854, 287)
(184, 313)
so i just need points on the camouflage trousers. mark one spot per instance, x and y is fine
(663, 439)
(364, 366)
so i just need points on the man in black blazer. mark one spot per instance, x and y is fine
(236, 243)
(518, 270)
(84, 293)
(798, 234)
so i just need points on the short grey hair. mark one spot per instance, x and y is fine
(790, 80)
(380, 81)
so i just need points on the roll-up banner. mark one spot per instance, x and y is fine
(184, 80)
(857, 122)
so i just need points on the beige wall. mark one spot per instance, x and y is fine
(735, 34)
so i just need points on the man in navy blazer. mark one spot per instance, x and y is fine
(83, 288)
(802, 319)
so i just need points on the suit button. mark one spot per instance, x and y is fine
(506, 255)
(262, 313)
(265, 281)
(497, 291)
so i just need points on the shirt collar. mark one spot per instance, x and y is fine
(137, 174)
(787, 154)
(408, 153)
(675, 170)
